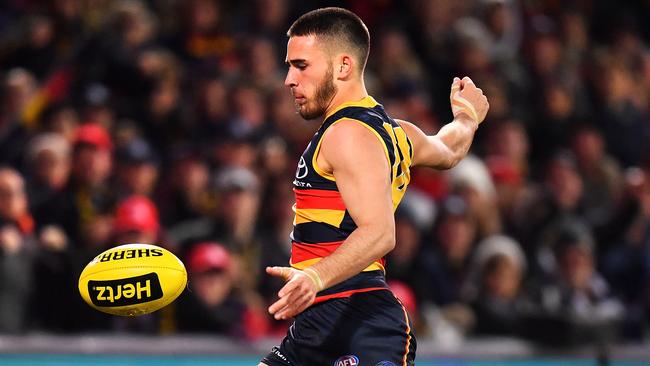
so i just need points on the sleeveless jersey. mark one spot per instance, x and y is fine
(322, 222)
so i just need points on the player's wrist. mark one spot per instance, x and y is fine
(466, 119)
(315, 278)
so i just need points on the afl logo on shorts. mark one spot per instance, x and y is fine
(302, 170)
(349, 360)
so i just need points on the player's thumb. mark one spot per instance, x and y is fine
(283, 272)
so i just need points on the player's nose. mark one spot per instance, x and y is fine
(290, 81)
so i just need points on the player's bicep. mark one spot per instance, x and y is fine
(427, 150)
(362, 171)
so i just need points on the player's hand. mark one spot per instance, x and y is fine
(466, 98)
(297, 294)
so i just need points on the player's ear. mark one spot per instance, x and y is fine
(344, 67)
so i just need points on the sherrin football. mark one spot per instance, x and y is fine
(132, 279)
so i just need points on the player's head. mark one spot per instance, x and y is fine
(327, 48)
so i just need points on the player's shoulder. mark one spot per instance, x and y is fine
(349, 130)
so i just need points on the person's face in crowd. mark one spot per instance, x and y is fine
(499, 20)
(41, 32)
(137, 236)
(51, 168)
(274, 157)
(565, 184)
(212, 287)
(92, 165)
(20, 87)
(249, 106)
(474, 57)
(139, 178)
(619, 84)
(509, 140)
(13, 200)
(203, 16)
(577, 266)
(65, 122)
(235, 154)
(589, 147)
(164, 99)
(239, 207)
(559, 102)
(456, 234)
(214, 100)
(310, 76)
(547, 54)
(96, 232)
(271, 13)
(501, 277)
(192, 177)
(262, 58)
(393, 45)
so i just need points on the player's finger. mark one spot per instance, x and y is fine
(283, 272)
(278, 305)
(455, 88)
(287, 288)
(467, 81)
(294, 307)
(455, 85)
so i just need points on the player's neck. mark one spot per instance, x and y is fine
(346, 94)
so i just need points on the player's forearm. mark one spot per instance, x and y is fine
(364, 246)
(456, 137)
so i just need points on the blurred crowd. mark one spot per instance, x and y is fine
(167, 122)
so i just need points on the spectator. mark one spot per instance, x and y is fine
(498, 271)
(89, 198)
(48, 162)
(572, 303)
(214, 305)
(137, 168)
(16, 252)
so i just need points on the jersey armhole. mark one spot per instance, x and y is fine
(329, 176)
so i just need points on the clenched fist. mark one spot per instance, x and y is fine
(467, 99)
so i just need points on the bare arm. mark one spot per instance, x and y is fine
(358, 161)
(361, 168)
(445, 149)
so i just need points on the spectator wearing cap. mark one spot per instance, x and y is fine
(494, 286)
(214, 304)
(559, 196)
(137, 168)
(136, 221)
(443, 264)
(571, 300)
(89, 197)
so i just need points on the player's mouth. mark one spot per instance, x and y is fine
(299, 99)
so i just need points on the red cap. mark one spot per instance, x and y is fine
(94, 134)
(405, 294)
(136, 213)
(208, 256)
(503, 171)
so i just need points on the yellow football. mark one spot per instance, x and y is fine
(132, 279)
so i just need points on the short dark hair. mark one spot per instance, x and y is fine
(338, 24)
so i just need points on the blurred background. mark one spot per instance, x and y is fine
(167, 122)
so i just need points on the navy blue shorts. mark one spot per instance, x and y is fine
(369, 329)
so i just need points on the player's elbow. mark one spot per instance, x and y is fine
(453, 160)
